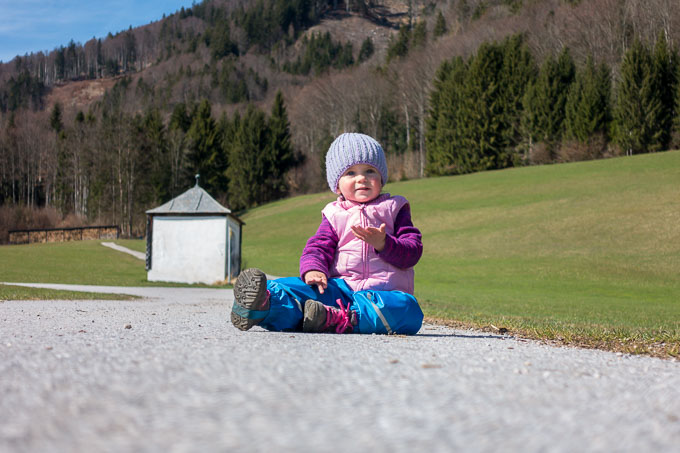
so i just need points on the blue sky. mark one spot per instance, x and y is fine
(33, 25)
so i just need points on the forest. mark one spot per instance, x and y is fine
(249, 94)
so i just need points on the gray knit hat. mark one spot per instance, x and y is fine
(351, 149)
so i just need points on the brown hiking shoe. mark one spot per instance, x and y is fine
(251, 299)
(320, 318)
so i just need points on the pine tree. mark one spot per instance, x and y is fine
(180, 118)
(280, 158)
(482, 112)
(205, 155)
(637, 103)
(247, 168)
(60, 63)
(56, 121)
(419, 34)
(366, 50)
(129, 50)
(545, 100)
(519, 71)
(675, 135)
(663, 74)
(155, 158)
(588, 110)
(442, 129)
(221, 44)
(439, 26)
(399, 46)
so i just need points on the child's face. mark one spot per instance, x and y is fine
(360, 183)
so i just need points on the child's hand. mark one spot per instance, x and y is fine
(317, 278)
(372, 235)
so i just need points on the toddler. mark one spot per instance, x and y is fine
(356, 272)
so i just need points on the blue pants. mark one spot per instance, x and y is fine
(385, 312)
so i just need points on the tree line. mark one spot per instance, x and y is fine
(500, 108)
(112, 165)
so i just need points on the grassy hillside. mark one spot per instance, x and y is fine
(585, 253)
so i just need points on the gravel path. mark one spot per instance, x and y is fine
(120, 248)
(169, 373)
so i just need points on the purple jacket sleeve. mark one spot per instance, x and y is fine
(319, 252)
(404, 248)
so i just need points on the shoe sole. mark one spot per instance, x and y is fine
(314, 317)
(249, 290)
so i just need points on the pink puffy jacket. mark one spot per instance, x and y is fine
(356, 261)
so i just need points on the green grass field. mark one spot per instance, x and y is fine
(585, 253)
(79, 262)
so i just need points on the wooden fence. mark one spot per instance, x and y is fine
(64, 234)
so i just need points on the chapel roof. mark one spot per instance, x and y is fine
(193, 201)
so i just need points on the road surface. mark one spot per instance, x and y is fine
(169, 373)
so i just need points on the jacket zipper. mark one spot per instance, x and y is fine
(364, 246)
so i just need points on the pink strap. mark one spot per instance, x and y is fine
(340, 318)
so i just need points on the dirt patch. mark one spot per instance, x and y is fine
(80, 94)
(354, 29)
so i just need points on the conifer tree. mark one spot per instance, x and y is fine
(399, 46)
(442, 124)
(675, 132)
(205, 156)
(482, 112)
(366, 50)
(180, 118)
(663, 73)
(56, 122)
(637, 102)
(155, 158)
(439, 26)
(220, 40)
(179, 124)
(419, 34)
(545, 99)
(247, 169)
(519, 71)
(280, 158)
(588, 110)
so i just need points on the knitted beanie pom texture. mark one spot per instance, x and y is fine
(349, 149)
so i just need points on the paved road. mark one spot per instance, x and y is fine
(170, 374)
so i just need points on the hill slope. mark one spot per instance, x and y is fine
(583, 252)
